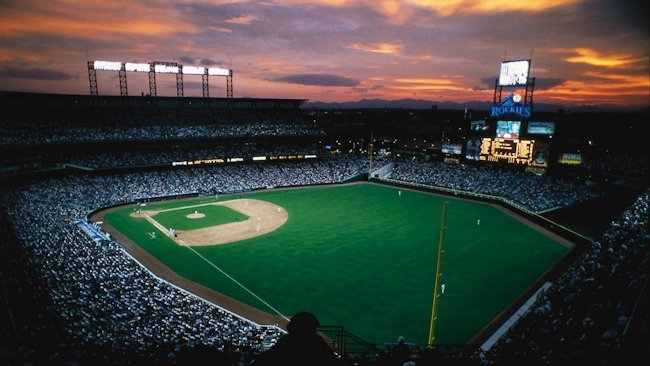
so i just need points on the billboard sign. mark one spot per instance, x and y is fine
(541, 128)
(511, 106)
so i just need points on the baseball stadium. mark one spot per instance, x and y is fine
(182, 230)
(209, 244)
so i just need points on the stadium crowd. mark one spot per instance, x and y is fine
(104, 307)
(618, 163)
(100, 295)
(63, 135)
(583, 318)
(167, 156)
(537, 192)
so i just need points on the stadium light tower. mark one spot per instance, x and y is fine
(158, 67)
(161, 67)
(217, 71)
(92, 78)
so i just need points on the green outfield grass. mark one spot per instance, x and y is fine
(214, 215)
(363, 257)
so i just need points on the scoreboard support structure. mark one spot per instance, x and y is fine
(517, 138)
(497, 97)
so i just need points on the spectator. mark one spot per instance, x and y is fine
(537, 193)
(400, 352)
(302, 346)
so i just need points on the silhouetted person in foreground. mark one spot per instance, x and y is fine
(401, 352)
(302, 346)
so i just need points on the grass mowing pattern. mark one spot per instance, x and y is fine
(214, 215)
(363, 257)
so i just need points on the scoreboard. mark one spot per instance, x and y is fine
(507, 150)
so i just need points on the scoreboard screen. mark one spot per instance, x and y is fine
(508, 129)
(514, 73)
(473, 149)
(541, 128)
(451, 148)
(507, 150)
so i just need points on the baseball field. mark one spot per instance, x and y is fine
(358, 255)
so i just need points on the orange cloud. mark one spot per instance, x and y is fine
(425, 81)
(491, 6)
(612, 89)
(585, 100)
(399, 11)
(219, 29)
(620, 80)
(389, 48)
(594, 58)
(265, 65)
(603, 85)
(437, 88)
(6, 55)
(427, 84)
(56, 18)
(241, 20)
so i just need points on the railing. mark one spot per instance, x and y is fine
(347, 344)
(350, 346)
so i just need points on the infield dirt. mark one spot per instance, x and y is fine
(263, 217)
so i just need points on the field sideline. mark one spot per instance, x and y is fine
(361, 256)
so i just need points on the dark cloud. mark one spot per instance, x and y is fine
(637, 12)
(624, 15)
(209, 62)
(489, 83)
(377, 87)
(206, 62)
(210, 13)
(186, 60)
(359, 90)
(318, 79)
(34, 73)
(191, 61)
(548, 83)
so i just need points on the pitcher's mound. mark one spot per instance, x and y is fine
(196, 215)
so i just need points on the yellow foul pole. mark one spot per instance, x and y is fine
(370, 145)
(434, 307)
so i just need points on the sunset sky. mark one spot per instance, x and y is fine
(584, 52)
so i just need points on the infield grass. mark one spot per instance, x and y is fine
(363, 257)
(214, 215)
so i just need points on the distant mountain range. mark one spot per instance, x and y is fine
(409, 103)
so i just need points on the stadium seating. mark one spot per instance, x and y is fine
(70, 299)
